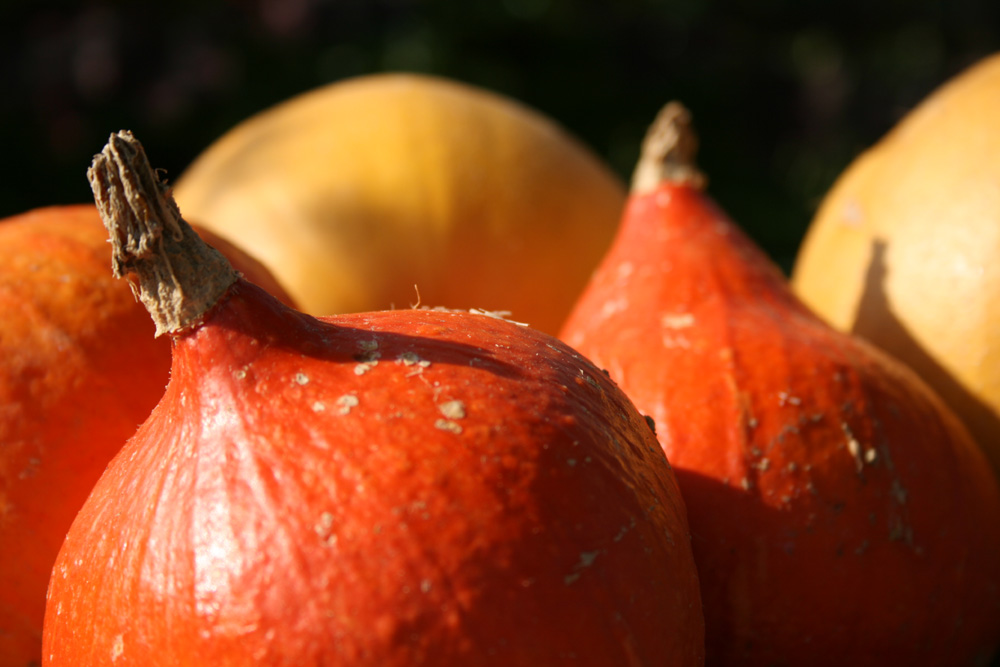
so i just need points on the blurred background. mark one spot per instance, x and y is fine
(784, 92)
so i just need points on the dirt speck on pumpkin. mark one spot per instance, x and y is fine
(623, 531)
(853, 447)
(413, 359)
(324, 529)
(587, 559)
(301, 378)
(452, 409)
(784, 398)
(368, 357)
(346, 402)
(677, 320)
(365, 366)
(448, 425)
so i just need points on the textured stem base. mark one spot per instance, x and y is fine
(184, 277)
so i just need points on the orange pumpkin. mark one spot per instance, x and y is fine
(388, 190)
(840, 513)
(399, 488)
(79, 371)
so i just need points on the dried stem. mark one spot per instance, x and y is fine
(668, 152)
(177, 276)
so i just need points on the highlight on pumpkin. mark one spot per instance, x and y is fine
(79, 369)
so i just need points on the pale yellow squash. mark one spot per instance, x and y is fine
(905, 249)
(385, 190)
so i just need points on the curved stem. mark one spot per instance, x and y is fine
(177, 276)
(668, 152)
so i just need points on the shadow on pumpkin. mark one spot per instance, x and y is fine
(786, 585)
(336, 338)
(875, 320)
(720, 518)
(767, 574)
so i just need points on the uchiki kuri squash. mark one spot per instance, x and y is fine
(399, 488)
(840, 513)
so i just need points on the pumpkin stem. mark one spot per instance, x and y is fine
(178, 277)
(668, 152)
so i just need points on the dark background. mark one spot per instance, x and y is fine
(784, 92)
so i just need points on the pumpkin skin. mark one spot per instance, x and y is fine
(840, 514)
(79, 371)
(389, 190)
(905, 248)
(484, 496)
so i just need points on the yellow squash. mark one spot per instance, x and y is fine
(386, 190)
(905, 249)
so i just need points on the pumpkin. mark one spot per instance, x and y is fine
(395, 189)
(905, 248)
(840, 513)
(391, 488)
(79, 370)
